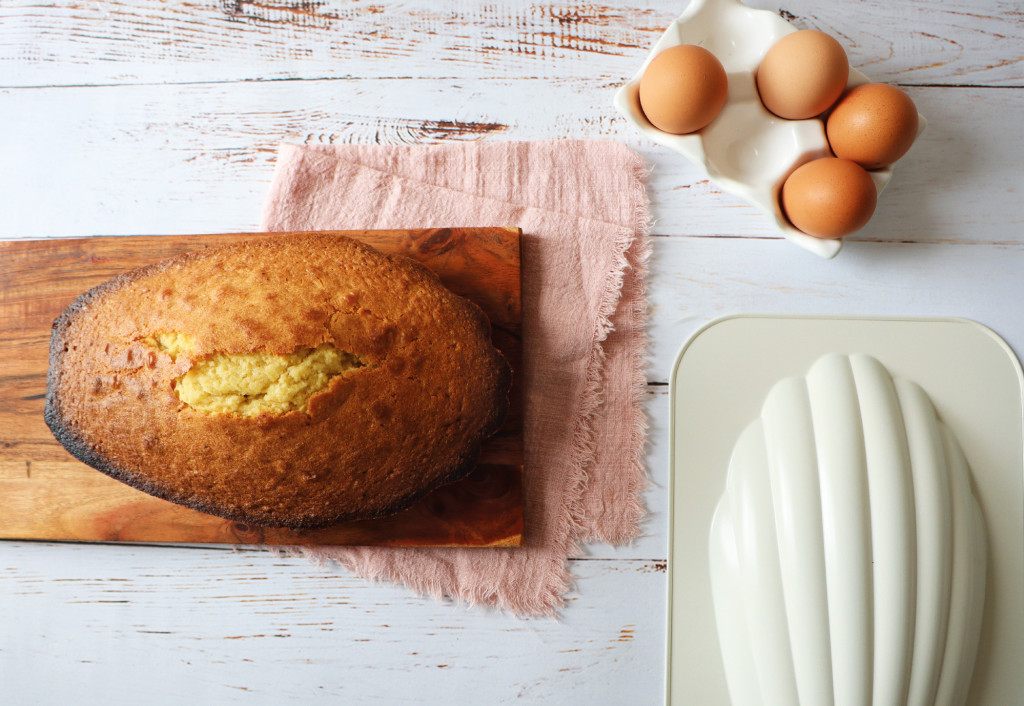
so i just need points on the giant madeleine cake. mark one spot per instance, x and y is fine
(294, 381)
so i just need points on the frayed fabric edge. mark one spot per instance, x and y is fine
(543, 604)
(635, 256)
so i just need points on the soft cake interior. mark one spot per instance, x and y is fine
(248, 384)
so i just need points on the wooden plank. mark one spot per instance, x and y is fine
(128, 162)
(51, 43)
(696, 280)
(46, 494)
(250, 627)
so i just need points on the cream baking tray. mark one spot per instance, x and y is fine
(747, 392)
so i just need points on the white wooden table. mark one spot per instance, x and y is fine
(155, 117)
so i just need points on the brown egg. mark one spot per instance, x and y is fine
(802, 75)
(874, 125)
(829, 197)
(683, 89)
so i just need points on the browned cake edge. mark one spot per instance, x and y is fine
(64, 432)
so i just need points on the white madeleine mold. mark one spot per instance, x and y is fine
(847, 553)
(746, 151)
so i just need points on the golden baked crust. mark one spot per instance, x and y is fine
(409, 415)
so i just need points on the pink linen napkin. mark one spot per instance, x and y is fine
(583, 211)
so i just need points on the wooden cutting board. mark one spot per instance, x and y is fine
(46, 494)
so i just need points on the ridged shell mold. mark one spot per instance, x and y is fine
(847, 552)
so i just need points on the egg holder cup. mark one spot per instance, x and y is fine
(746, 150)
(725, 385)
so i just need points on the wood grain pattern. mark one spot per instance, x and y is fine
(134, 169)
(944, 43)
(244, 627)
(729, 275)
(46, 494)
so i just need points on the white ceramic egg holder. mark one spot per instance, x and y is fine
(746, 151)
(849, 565)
